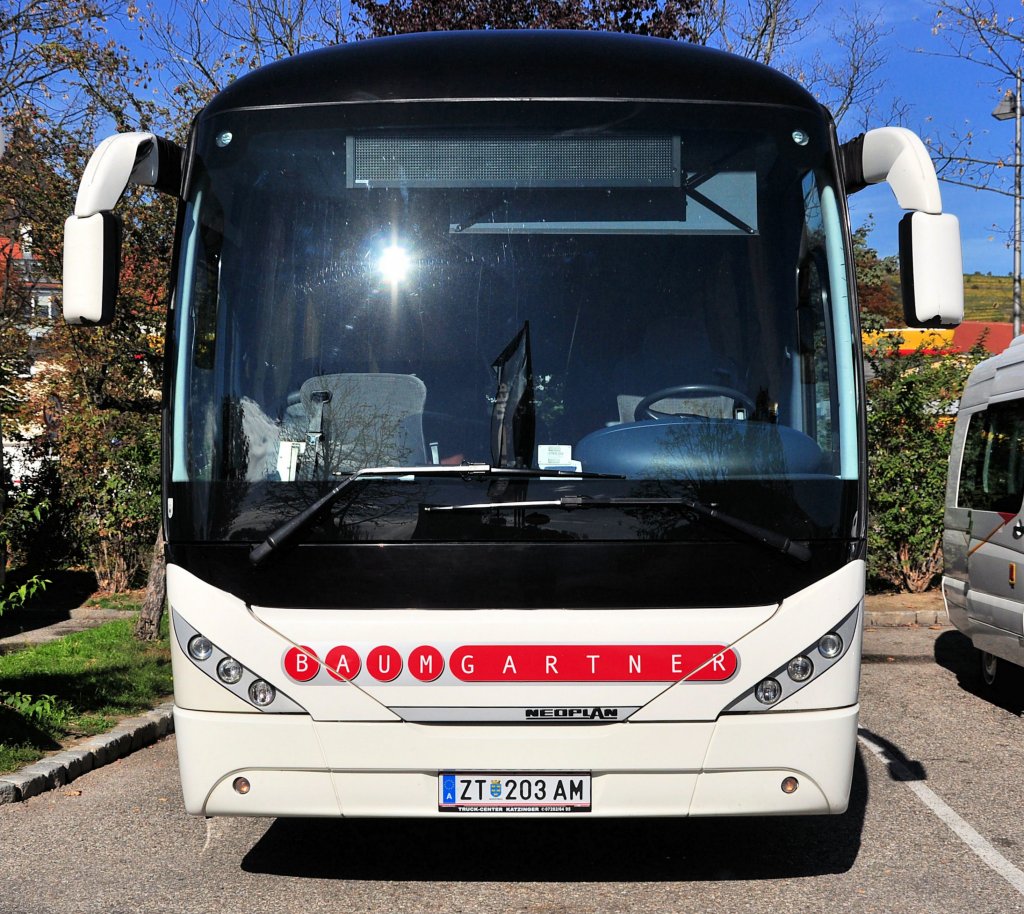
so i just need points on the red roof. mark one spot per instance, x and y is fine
(969, 332)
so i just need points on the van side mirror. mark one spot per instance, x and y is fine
(931, 270)
(92, 262)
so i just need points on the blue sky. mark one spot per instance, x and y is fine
(944, 95)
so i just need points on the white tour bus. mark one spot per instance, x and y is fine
(514, 440)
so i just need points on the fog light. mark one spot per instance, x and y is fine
(229, 670)
(800, 669)
(768, 691)
(789, 785)
(243, 786)
(262, 693)
(830, 645)
(200, 648)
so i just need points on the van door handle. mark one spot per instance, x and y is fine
(1018, 529)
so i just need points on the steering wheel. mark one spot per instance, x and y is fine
(685, 392)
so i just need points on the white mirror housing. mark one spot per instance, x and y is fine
(931, 270)
(92, 259)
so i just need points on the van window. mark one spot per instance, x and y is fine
(992, 473)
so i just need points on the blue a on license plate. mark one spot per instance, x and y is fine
(484, 791)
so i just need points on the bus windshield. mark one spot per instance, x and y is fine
(642, 299)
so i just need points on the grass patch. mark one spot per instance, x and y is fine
(95, 677)
(123, 601)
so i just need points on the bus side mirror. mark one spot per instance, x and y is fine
(92, 236)
(931, 270)
(92, 267)
(931, 263)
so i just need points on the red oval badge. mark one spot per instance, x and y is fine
(342, 663)
(384, 663)
(301, 663)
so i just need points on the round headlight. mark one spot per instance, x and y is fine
(768, 691)
(262, 693)
(229, 670)
(200, 648)
(800, 669)
(830, 645)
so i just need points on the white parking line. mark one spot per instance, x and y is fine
(985, 851)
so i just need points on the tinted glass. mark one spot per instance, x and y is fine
(992, 471)
(654, 300)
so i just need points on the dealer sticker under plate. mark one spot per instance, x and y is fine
(482, 791)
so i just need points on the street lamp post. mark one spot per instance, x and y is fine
(1007, 108)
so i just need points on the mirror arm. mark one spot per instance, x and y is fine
(851, 161)
(123, 159)
(896, 156)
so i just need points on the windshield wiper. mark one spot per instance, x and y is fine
(761, 534)
(281, 535)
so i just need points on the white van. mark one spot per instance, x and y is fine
(983, 543)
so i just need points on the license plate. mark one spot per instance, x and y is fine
(484, 791)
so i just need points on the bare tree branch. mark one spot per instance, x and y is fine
(847, 80)
(979, 34)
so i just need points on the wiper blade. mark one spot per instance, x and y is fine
(756, 532)
(287, 531)
(281, 535)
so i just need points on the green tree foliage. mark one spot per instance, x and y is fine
(877, 284)
(110, 484)
(912, 401)
(661, 18)
(63, 81)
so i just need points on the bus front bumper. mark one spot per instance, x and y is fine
(296, 766)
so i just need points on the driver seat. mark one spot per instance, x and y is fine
(363, 420)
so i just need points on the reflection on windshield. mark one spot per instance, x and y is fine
(357, 298)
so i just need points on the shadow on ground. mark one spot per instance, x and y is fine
(66, 591)
(18, 730)
(566, 850)
(954, 652)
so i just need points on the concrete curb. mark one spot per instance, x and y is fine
(63, 767)
(892, 618)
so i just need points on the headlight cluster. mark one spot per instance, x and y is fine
(805, 667)
(800, 669)
(229, 672)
